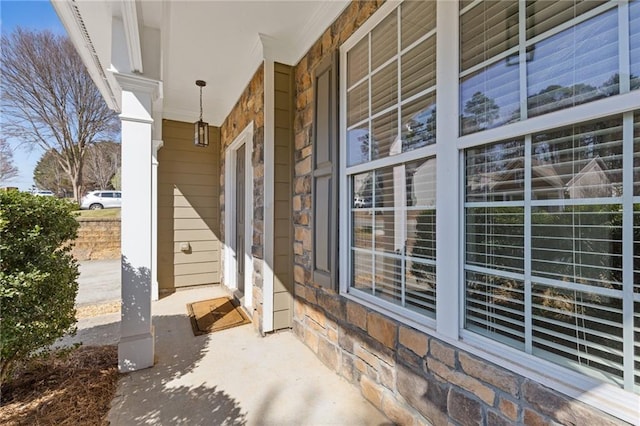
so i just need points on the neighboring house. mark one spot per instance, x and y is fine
(442, 298)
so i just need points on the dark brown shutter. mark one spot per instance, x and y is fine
(324, 173)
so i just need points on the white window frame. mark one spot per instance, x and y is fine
(450, 227)
(424, 153)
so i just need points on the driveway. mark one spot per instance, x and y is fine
(99, 282)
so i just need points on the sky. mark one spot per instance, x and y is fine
(34, 15)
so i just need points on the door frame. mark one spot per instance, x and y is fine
(230, 263)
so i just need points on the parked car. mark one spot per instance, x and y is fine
(43, 193)
(96, 200)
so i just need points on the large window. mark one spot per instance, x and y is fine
(546, 270)
(544, 245)
(537, 214)
(390, 98)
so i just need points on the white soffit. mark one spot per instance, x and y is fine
(219, 42)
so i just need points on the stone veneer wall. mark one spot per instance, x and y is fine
(250, 107)
(412, 377)
(98, 238)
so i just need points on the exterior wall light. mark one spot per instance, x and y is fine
(201, 137)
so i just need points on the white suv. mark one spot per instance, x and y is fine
(43, 193)
(96, 200)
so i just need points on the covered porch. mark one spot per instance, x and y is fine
(191, 215)
(231, 377)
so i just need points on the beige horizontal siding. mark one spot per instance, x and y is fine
(283, 228)
(188, 208)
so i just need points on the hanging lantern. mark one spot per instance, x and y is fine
(201, 137)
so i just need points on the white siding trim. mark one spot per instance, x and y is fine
(157, 144)
(627, 251)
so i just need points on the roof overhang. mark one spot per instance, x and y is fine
(181, 41)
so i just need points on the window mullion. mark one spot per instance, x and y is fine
(528, 310)
(373, 172)
(370, 73)
(447, 172)
(627, 250)
(403, 209)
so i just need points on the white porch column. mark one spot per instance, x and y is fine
(136, 347)
(157, 144)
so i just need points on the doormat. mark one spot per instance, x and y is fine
(209, 316)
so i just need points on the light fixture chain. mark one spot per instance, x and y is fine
(200, 103)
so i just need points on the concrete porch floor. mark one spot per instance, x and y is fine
(231, 377)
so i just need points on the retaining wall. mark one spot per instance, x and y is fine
(98, 238)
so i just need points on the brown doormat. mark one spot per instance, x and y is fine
(208, 316)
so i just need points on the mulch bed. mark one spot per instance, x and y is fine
(89, 311)
(71, 387)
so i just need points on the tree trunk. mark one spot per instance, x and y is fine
(76, 183)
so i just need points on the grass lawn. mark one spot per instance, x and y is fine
(99, 213)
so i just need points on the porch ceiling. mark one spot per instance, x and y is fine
(215, 41)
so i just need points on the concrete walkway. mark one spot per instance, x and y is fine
(99, 282)
(232, 377)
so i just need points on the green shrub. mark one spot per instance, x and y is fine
(38, 278)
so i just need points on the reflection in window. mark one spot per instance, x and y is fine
(578, 329)
(393, 234)
(495, 172)
(565, 235)
(489, 98)
(495, 238)
(578, 162)
(495, 307)
(570, 55)
(577, 65)
(390, 109)
(581, 244)
(636, 154)
(634, 43)
(418, 123)
(636, 209)
(358, 145)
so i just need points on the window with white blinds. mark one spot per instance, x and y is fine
(544, 238)
(538, 170)
(390, 110)
(516, 64)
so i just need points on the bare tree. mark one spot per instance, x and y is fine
(8, 170)
(49, 99)
(102, 161)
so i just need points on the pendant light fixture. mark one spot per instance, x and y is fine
(201, 137)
